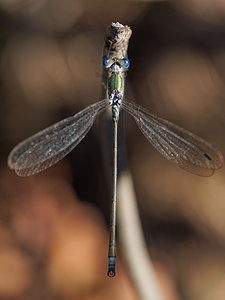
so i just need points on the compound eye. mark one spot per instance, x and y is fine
(105, 62)
(126, 63)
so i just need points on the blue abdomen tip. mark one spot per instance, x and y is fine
(111, 266)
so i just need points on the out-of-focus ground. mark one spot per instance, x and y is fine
(53, 226)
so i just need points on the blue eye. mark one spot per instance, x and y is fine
(127, 62)
(105, 62)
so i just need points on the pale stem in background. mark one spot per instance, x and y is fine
(130, 232)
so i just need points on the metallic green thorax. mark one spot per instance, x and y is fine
(115, 82)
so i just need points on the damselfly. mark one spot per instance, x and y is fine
(178, 145)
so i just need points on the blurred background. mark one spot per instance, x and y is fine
(54, 225)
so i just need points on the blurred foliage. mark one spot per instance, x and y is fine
(53, 245)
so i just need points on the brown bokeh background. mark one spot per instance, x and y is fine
(53, 226)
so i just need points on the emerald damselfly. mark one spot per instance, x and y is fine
(178, 145)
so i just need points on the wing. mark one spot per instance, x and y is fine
(178, 145)
(47, 147)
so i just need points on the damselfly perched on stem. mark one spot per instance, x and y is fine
(178, 145)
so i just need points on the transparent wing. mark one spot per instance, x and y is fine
(47, 147)
(176, 144)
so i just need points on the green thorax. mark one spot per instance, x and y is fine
(115, 83)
